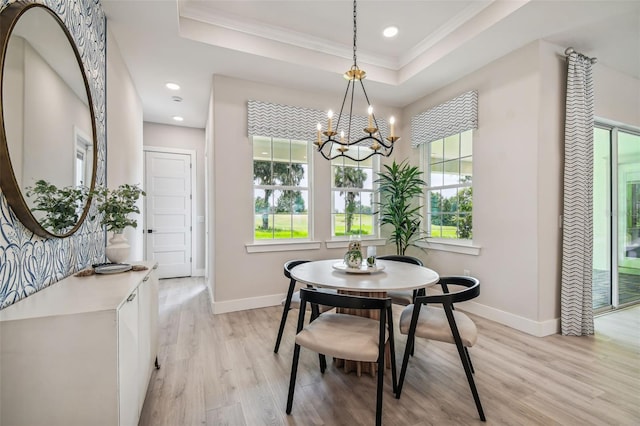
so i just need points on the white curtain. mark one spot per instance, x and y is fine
(577, 236)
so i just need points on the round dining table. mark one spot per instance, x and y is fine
(386, 275)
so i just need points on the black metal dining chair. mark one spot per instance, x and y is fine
(443, 324)
(346, 336)
(292, 299)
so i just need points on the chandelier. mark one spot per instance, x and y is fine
(350, 145)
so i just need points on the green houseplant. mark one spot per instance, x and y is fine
(114, 207)
(62, 207)
(400, 187)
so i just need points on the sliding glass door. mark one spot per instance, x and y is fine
(616, 217)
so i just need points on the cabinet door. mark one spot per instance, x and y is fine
(144, 339)
(128, 361)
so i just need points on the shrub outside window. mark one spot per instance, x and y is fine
(352, 197)
(281, 190)
(450, 191)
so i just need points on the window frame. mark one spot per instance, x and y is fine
(284, 244)
(375, 169)
(459, 245)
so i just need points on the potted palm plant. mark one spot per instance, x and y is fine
(400, 187)
(115, 207)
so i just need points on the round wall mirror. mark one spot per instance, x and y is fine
(48, 149)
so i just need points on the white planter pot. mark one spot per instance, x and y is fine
(118, 249)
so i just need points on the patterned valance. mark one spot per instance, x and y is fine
(291, 122)
(454, 116)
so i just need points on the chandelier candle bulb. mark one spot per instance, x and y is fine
(319, 127)
(392, 121)
(330, 116)
(370, 111)
(342, 136)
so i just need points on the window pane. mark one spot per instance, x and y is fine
(281, 150)
(436, 201)
(452, 147)
(436, 149)
(451, 172)
(350, 177)
(262, 173)
(299, 152)
(262, 149)
(436, 175)
(465, 143)
(464, 228)
(466, 169)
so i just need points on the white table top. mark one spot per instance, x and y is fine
(394, 276)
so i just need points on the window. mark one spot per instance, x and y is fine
(352, 197)
(450, 192)
(280, 189)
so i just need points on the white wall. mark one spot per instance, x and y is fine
(165, 136)
(124, 136)
(518, 172)
(241, 280)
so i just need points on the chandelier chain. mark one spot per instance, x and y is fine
(355, 32)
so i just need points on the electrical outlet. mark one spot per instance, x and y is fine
(467, 273)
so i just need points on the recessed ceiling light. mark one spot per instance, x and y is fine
(176, 99)
(172, 86)
(178, 118)
(390, 32)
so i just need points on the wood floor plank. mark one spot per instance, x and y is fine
(221, 370)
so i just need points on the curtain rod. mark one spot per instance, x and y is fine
(571, 50)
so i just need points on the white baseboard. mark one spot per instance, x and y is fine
(535, 328)
(248, 303)
(526, 325)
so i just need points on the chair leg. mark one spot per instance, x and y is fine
(292, 382)
(283, 320)
(380, 386)
(472, 384)
(466, 351)
(323, 363)
(405, 361)
(393, 352)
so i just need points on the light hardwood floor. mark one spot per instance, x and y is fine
(221, 370)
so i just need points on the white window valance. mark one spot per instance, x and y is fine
(292, 122)
(454, 116)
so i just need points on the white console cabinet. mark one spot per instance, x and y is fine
(80, 352)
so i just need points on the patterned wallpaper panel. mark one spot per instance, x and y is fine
(29, 263)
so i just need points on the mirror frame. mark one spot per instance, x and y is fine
(8, 19)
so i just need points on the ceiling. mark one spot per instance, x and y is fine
(308, 45)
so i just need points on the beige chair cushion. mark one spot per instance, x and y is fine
(401, 297)
(342, 336)
(433, 324)
(295, 303)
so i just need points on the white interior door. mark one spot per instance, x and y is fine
(168, 209)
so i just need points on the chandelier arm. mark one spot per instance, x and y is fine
(346, 92)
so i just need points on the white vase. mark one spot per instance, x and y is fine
(117, 250)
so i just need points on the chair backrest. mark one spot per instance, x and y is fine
(401, 258)
(471, 291)
(312, 295)
(289, 265)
